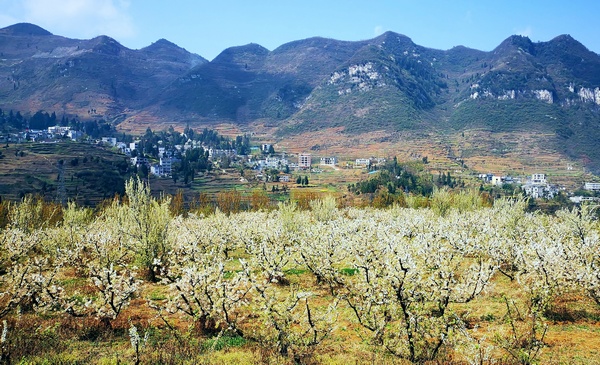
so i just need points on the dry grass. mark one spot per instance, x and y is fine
(573, 335)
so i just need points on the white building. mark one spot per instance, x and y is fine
(112, 141)
(165, 166)
(215, 153)
(592, 186)
(74, 135)
(139, 161)
(158, 170)
(537, 187)
(497, 180)
(123, 147)
(134, 145)
(534, 191)
(362, 162)
(583, 199)
(265, 148)
(329, 161)
(272, 163)
(538, 179)
(58, 130)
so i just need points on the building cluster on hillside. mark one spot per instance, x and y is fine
(305, 162)
(592, 187)
(166, 155)
(273, 162)
(535, 186)
(51, 134)
(538, 187)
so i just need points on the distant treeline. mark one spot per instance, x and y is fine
(207, 137)
(41, 120)
(395, 177)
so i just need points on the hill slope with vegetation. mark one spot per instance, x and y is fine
(387, 83)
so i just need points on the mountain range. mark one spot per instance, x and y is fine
(387, 83)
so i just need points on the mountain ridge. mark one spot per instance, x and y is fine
(387, 83)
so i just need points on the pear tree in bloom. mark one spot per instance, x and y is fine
(580, 243)
(408, 274)
(27, 271)
(321, 251)
(203, 234)
(199, 284)
(271, 240)
(104, 258)
(292, 321)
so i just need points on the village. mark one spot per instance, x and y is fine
(164, 160)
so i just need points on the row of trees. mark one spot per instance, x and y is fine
(39, 120)
(42, 120)
(302, 180)
(208, 138)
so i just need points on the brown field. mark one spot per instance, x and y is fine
(572, 338)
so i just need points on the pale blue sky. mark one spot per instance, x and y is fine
(208, 27)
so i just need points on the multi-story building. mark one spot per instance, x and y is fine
(304, 161)
(538, 179)
(362, 162)
(330, 161)
(537, 187)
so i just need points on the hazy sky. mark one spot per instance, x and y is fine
(208, 27)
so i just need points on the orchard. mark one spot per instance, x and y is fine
(459, 281)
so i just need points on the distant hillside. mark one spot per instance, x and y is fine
(41, 71)
(384, 84)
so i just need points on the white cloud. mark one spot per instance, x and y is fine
(378, 30)
(81, 18)
(527, 32)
